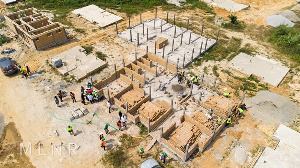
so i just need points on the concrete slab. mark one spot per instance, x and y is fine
(290, 15)
(176, 2)
(77, 63)
(181, 51)
(287, 152)
(227, 5)
(95, 14)
(277, 20)
(270, 71)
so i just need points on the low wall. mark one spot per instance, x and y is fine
(136, 68)
(146, 67)
(172, 67)
(118, 95)
(136, 106)
(125, 79)
(160, 120)
(109, 79)
(172, 148)
(168, 131)
(134, 74)
(146, 62)
(157, 59)
(202, 128)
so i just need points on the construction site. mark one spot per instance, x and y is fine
(166, 83)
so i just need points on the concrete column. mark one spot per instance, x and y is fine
(181, 39)
(218, 35)
(126, 106)
(163, 55)
(156, 70)
(190, 37)
(186, 152)
(135, 56)
(161, 133)
(193, 54)
(130, 35)
(150, 92)
(202, 30)
(173, 45)
(117, 28)
(177, 65)
(108, 95)
(140, 17)
(53, 38)
(146, 49)
(167, 62)
(155, 47)
(138, 39)
(187, 25)
(143, 29)
(191, 87)
(123, 62)
(148, 125)
(129, 22)
(171, 103)
(145, 78)
(206, 44)
(147, 34)
(155, 12)
(115, 70)
(174, 20)
(183, 61)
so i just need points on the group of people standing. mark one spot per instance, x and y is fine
(24, 71)
(188, 80)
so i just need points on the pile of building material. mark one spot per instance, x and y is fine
(228, 5)
(115, 87)
(93, 14)
(186, 133)
(151, 110)
(80, 112)
(277, 20)
(132, 97)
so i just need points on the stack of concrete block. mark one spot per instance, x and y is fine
(160, 42)
(132, 97)
(151, 110)
(80, 112)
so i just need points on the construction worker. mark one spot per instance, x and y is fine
(228, 121)
(119, 125)
(196, 80)
(82, 98)
(91, 98)
(219, 121)
(108, 106)
(81, 89)
(25, 73)
(163, 157)
(22, 70)
(27, 68)
(120, 114)
(179, 78)
(101, 136)
(103, 143)
(123, 119)
(106, 128)
(56, 101)
(240, 111)
(72, 95)
(70, 130)
(59, 94)
(226, 94)
(89, 85)
(141, 152)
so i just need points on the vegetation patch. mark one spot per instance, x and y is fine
(101, 56)
(88, 49)
(143, 128)
(3, 39)
(234, 24)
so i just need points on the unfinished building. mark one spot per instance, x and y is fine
(35, 29)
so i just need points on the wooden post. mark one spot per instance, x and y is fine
(167, 17)
(126, 106)
(173, 45)
(161, 133)
(131, 78)
(154, 23)
(108, 94)
(183, 61)
(117, 28)
(147, 34)
(174, 20)
(135, 56)
(214, 130)
(243, 97)
(146, 49)
(167, 62)
(218, 35)
(175, 32)
(91, 82)
(156, 70)
(140, 17)
(144, 77)
(161, 26)
(143, 29)
(201, 48)
(155, 12)
(171, 103)
(150, 92)
(206, 44)
(191, 87)
(177, 65)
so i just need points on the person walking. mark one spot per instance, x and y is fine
(82, 98)
(109, 106)
(70, 130)
(59, 94)
(103, 143)
(120, 114)
(56, 101)
(106, 128)
(72, 96)
(141, 152)
(119, 125)
(22, 71)
(82, 89)
(27, 68)
(123, 119)
(25, 73)
(101, 136)
(163, 157)
(228, 121)
(89, 85)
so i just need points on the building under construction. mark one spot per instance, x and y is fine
(35, 29)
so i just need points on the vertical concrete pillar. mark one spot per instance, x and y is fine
(145, 78)
(167, 17)
(202, 30)
(206, 44)
(140, 17)
(171, 103)
(190, 37)
(174, 20)
(129, 22)
(167, 62)
(143, 29)
(155, 12)
(155, 47)
(181, 39)
(115, 70)
(173, 45)
(108, 94)
(123, 62)
(175, 32)
(117, 28)
(177, 65)
(147, 34)
(146, 49)
(187, 24)
(193, 54)
(150, 92)
(138, 39)
(135, 56)
(163, 55)
(130, 35)
(183, 61)
(148, 125)
(156, 70)
(126, 106)
(161, 132)
(186, 152)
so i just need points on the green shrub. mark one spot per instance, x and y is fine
(3, 39)
(88, 49)
(101, 56)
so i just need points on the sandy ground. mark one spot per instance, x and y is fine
(28, 104)
(259, 10)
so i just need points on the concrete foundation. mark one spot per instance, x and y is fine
(228, 5)
(77, 63)
(269, 71)
(95, 14)
(181, 41)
